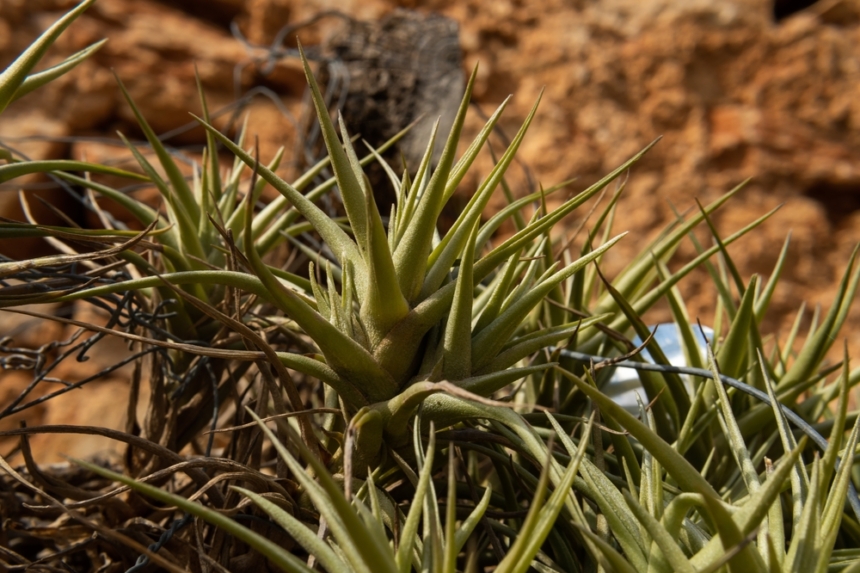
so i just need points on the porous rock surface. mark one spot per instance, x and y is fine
(733, 93)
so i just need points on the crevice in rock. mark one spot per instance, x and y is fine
(217, 12)
(839, 200)
(784, 8)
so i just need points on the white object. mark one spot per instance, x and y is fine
(625, 385)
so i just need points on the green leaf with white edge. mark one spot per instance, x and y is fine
(763, 300)
(407, 209)
(308, 539)
(35, 81)
(738, 446)
(615, 560)
(410, 257)
(685, 475)
(320, 296)
(396, 182)
(542, 517)
(275, 553)
(19, 168)
(336, 238)
(432, 534)
(689, 341)
(275, 216)
(521, 347)
(773, 563)
(465, 162)
(341, 320)
(471, 522)
(212, 165)
(692, 354)
(278, 214)
(236, 219)
(673, 559)
(651, 478)
(400, 199)
(775, 528)
(732, 353)
(382, 303)
(183, 192)
(799, 477)
(15, 75)
(534, 263)
(371, 521)
(360, 179)
(581, 288)
(833, 508)
(733, 434)
(816, 346)
(487, 384)
(324, 373)
(403, 557)
(788, 345)
(451, 550)
(754, 510)
(490, 262)
(489, 228)
(517, 552)
(677, 402)
(646, 301)
(350, 185)
(498, 291)
(392, 224)
(230, 192)
(185, 223)
(676, 511)
(209, 235)
(346, 357)
(725, 261)
(487, 343)
(457, 341)
(365, 551)
(379, 515)
(837, 433)
(621, 521)
(806, 535)
(451, 246)
(632, 276)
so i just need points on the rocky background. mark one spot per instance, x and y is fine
(737, 89)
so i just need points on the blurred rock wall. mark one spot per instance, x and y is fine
(733, 92)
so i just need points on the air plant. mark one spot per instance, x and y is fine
(392, 345)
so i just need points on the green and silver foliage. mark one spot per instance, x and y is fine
(17, 80)
(429, 539)
(453, 341)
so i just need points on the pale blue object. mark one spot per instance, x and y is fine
(625, 385)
